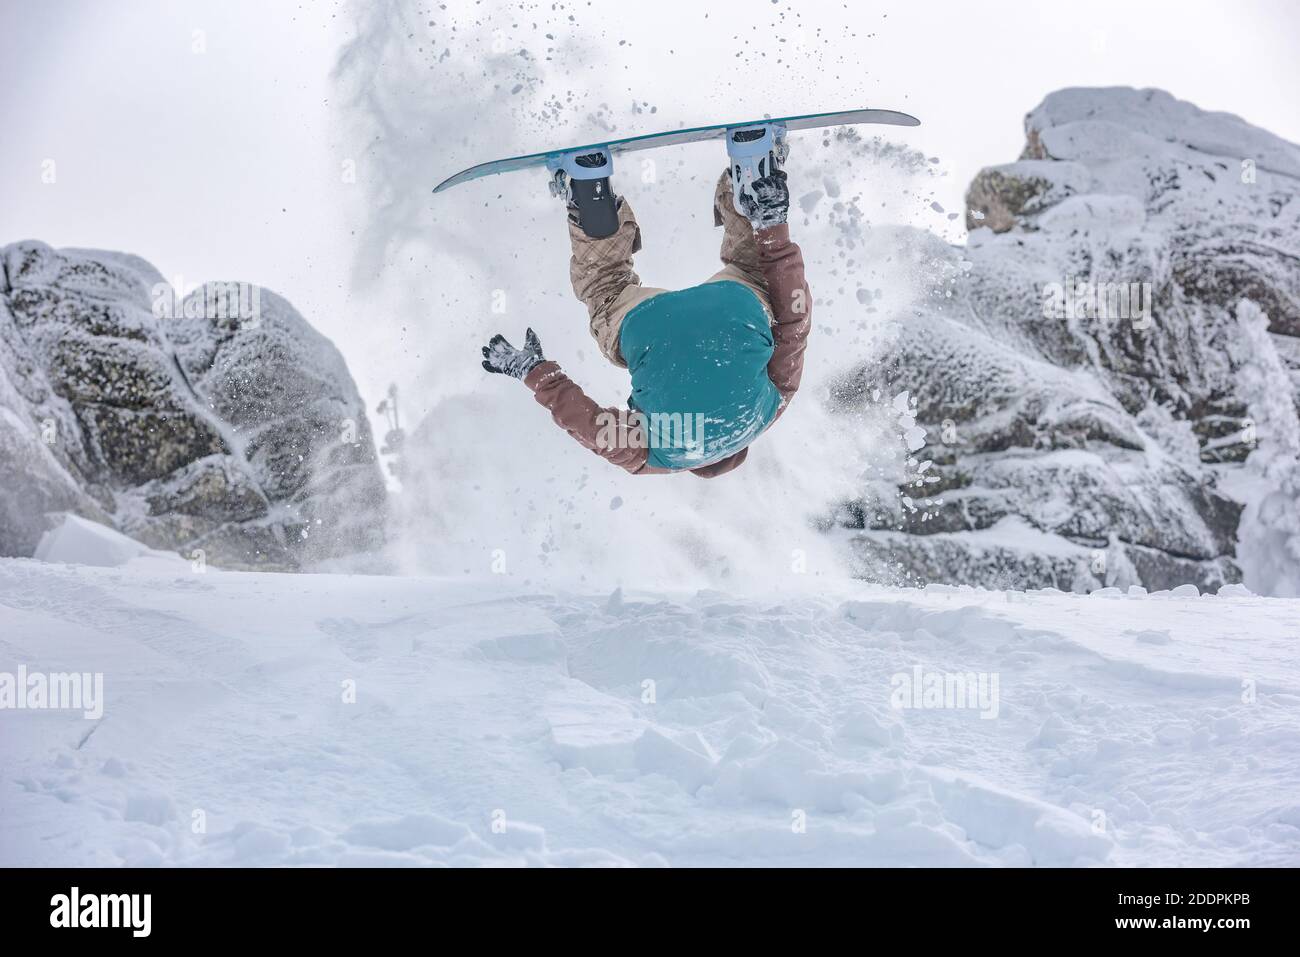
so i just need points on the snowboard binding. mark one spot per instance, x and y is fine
(755, 152)
(582, 179)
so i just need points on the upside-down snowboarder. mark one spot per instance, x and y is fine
(713, 365)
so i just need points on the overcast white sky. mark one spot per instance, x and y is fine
(224, 163)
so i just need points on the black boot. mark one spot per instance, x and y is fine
(593, 207)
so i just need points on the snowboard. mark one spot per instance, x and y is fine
(555, 159)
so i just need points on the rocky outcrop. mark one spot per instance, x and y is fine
(220, 424)
(1116, 348)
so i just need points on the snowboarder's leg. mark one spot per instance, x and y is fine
(603, 278)
(739, 250)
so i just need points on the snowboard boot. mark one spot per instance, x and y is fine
(592, 205)
(755, 153)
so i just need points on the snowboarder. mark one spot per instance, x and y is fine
(713, 365)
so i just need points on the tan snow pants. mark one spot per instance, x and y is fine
(603, 278)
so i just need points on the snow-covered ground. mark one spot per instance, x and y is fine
(494, 723)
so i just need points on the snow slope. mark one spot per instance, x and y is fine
(498, 724)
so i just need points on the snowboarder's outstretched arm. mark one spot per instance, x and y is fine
(614, 434)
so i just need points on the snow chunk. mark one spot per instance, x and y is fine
(77, 541)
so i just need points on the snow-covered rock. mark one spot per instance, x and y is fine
(33, 482)
(222, 424)
(1116, 345)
